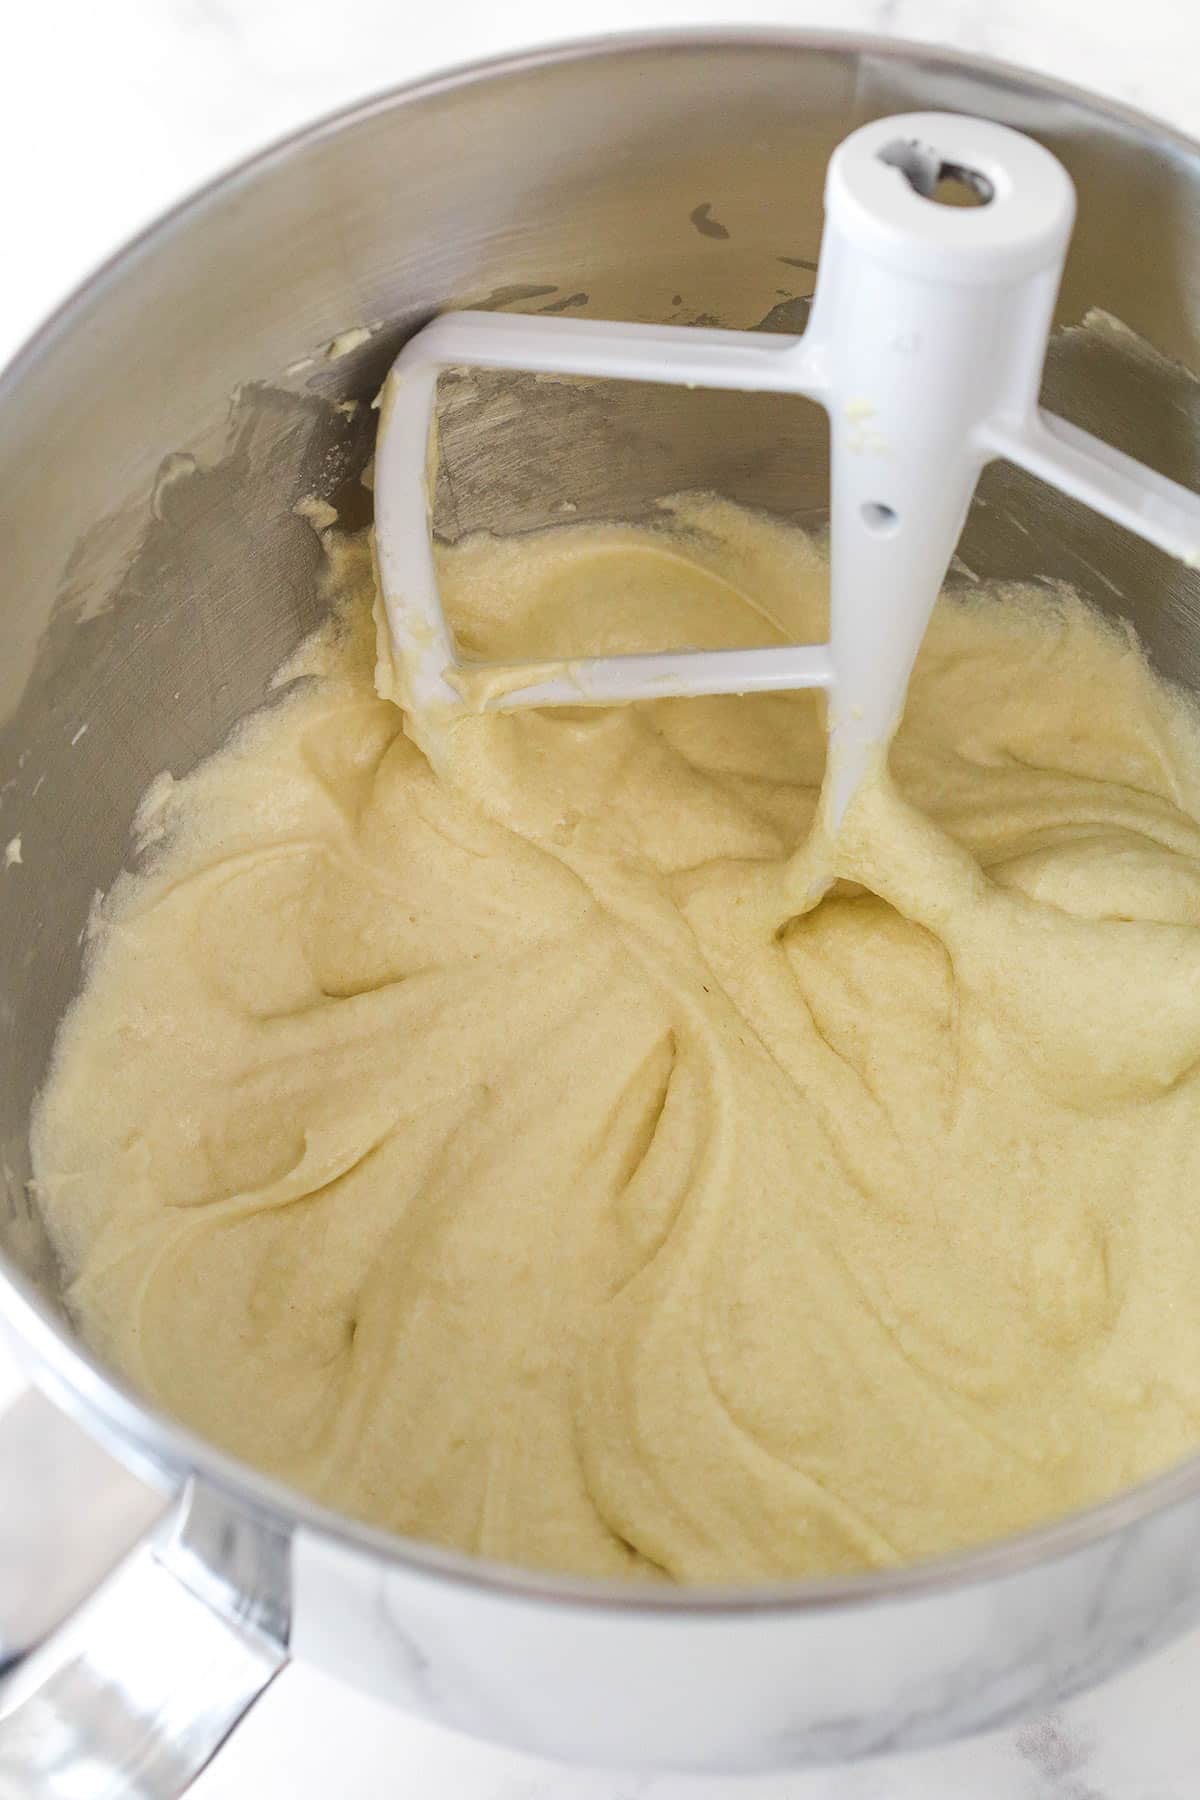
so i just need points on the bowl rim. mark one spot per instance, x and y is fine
(165, 1452)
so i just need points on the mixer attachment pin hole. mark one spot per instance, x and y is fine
(930, 175)
(879, 517)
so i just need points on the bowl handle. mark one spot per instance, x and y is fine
(150, 1670)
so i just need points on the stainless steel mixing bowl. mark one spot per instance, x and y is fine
(153, 441)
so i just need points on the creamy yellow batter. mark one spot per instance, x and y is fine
(515, 1159)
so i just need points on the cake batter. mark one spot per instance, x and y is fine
(518, 1157)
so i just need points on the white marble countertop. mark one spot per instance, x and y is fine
(114, 109)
